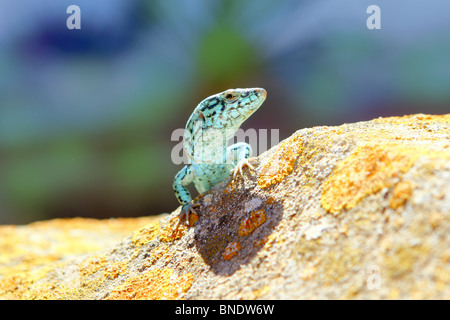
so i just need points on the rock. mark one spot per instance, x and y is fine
(358, 211)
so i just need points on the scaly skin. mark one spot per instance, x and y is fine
(215, 121)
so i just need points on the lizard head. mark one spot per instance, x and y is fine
(229, 109)
(218, 117)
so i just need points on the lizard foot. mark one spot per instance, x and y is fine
(241, 164)
(186, 210)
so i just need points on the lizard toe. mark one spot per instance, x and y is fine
(241, 164)
(186, 210)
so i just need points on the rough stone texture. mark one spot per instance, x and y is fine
(355, 211)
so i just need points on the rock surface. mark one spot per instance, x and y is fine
(350, 212)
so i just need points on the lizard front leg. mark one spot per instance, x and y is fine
(183, 178)
(238, 154)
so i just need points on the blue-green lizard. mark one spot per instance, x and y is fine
(215, 121)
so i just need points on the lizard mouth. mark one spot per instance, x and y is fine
(261, 93)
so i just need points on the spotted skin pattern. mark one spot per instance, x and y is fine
(215, 121)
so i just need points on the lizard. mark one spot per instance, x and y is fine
(213, 122)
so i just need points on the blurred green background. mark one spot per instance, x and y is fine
(86, 116)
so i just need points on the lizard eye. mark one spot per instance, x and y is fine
(229, 96)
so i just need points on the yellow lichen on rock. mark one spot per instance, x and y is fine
(115, 269)
(156, 254)
(281, 163)
(29, 253)
(252, 240)
(415, 118)
(155, 284)
(18, 286)
(145, 235)
(92, 264)
(367, 170)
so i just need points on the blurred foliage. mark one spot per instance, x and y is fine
(86, 115)
(224, 55)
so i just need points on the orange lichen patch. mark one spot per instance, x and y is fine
(367, 170)
(270, 200)
(92, 264)
(168, 233)
(281, 163)
(145, 235)
(401, 193)
(249, 224)
(231, 250)
(155, 284)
